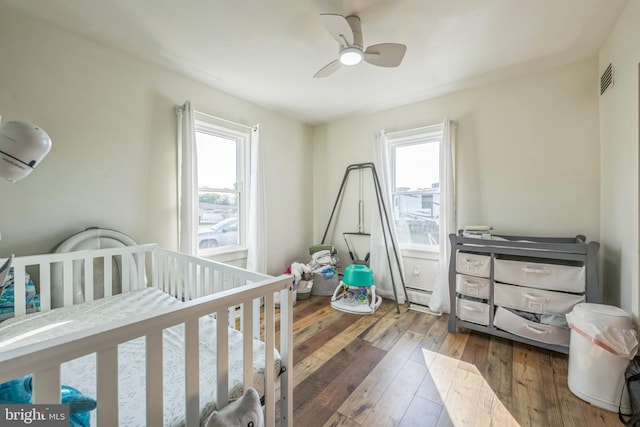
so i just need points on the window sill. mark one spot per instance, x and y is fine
(419, 251)
(226, 255)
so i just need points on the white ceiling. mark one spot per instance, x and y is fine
(267, 51)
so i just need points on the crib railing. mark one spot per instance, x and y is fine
(207, 287)
(67, 278)
(187, 277)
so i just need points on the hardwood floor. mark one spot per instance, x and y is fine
(406, 370)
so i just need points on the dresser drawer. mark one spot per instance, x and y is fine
(472, 311)
(473, 264)
(538, 275)
(511, 322)
(472, 286)
(534, 300)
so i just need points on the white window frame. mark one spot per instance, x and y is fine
(242, 137)
(423, 135)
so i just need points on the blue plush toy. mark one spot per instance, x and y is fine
(20, 391)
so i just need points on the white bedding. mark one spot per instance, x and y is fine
(80, 373)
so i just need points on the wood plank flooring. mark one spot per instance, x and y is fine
(406, 370)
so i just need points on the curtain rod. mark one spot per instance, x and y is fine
(181, 108)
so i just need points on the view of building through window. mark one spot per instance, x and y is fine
(416, 191)
(219, 189)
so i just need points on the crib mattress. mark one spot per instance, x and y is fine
(80, 373)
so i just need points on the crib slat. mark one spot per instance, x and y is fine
(211, 285)
(247, 344)
(174, 279)
(67, 274)
(169, 276)
(126, 267)
(220, 286)
(46, 386)
(183, 282)
(88, 279)
(45, 286)
(200, 280)
(286, 355)
(269, 345)
(141, 264)
(107, 386)
(193, 281)
(108, 270)
(166, 278)
(179, 274)
(222, 333)
(19, 291)
(156, 272)
(192, 285)
(257, 303)
(192, 370)
(154, 379)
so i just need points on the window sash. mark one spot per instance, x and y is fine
(241, 193)
(425, 135)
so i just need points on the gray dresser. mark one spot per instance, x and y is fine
(519, 287)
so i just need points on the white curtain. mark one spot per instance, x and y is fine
(256, 236)
(187, 181)
(378, 260)
(440, 297)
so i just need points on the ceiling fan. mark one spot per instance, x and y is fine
(348, 32)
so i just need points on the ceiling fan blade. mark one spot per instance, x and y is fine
(338, 27)
(328, 69)
(385, 54)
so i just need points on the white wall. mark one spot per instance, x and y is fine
(527, 153)
(113, 161)
(619, 151)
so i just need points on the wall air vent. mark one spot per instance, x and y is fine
(606, 80)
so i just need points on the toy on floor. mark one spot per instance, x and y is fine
(244, 412)
(353, 293)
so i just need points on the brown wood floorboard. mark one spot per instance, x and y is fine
(324, 332)
(405, 369)
(315, 398)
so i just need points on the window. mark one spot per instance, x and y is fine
(222, 194)
(415, 185)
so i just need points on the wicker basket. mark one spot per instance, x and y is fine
(322, 286)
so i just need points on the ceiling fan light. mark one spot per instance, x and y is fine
(350, 56)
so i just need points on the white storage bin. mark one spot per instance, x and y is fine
(511, 322)
(304, 289)
(473, 264)
(472, 311)
(538, 275)
(472, 286)
(595, 374)
(534, 300)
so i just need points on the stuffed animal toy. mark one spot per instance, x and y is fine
(19, 391)
(244, 412)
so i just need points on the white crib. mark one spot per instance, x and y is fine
(233, 296)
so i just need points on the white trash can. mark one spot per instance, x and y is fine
(602, 343)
